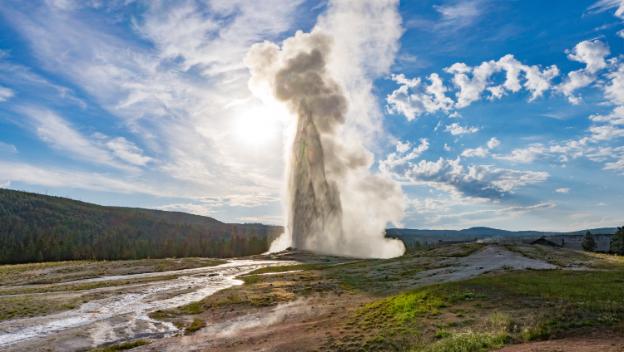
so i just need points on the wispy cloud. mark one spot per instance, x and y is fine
(5, 93)
(6, 148)
(459, 14)
(59, 134)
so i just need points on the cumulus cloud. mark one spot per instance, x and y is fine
(479, 152)
(472, 83)
(523, 155)
(563, 190)
(413, 98)
(404, 153)
(480, 181)
(456, 129)
(614, 89)
(593, 54)
(493, 143)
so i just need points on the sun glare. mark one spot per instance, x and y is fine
(257, 126)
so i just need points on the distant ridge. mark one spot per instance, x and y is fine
(36, 227)
(413, 236)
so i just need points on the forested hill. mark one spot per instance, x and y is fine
(35, 227)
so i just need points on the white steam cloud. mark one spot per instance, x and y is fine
(334, 204)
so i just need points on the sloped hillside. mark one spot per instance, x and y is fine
(35, 227)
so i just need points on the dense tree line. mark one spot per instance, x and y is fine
(617, 241)
(36, 228)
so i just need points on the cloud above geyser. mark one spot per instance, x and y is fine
(334, 204)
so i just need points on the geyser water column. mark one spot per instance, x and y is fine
(323, 169)
(315, 214)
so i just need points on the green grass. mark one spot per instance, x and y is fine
(82, 286)
(294, 267)
(195, 325)
(407, 306)
(58, 272)
(468, 342)
(487, 312)
(124, 346)
(13, 307)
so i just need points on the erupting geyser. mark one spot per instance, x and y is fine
(334, 204)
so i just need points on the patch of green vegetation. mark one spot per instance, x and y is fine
(592, 290)
(195, 325)
(476, 315)
(83, 286)
(124, 346)
(566, 257)
(456, 250)
(13, 307)
(58, 272)
(467, 342)
(294, 267)
(407, 306)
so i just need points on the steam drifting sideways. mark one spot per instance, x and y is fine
(334, 204)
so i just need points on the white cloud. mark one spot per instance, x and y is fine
(606, 132)
(475, 181)
(456, 129)
(563, 190)
(413, 99)
(180, 96)
(479, 152)
(616, 164)
(5, 94)
(471, 81)
(404, 153)
(127, 151)
(62, 136)
(460, 14)
(614, 89)
(493, 143)
(6, 148)
(523, 155)
(604, 5)
(62, 178)
(592, 53)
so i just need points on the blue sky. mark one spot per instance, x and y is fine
(488, 113)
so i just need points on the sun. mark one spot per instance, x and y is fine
(257, 126)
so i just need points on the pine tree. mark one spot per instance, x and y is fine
(588, 242)
(617, 242)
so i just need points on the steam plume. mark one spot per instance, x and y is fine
(334, 204)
